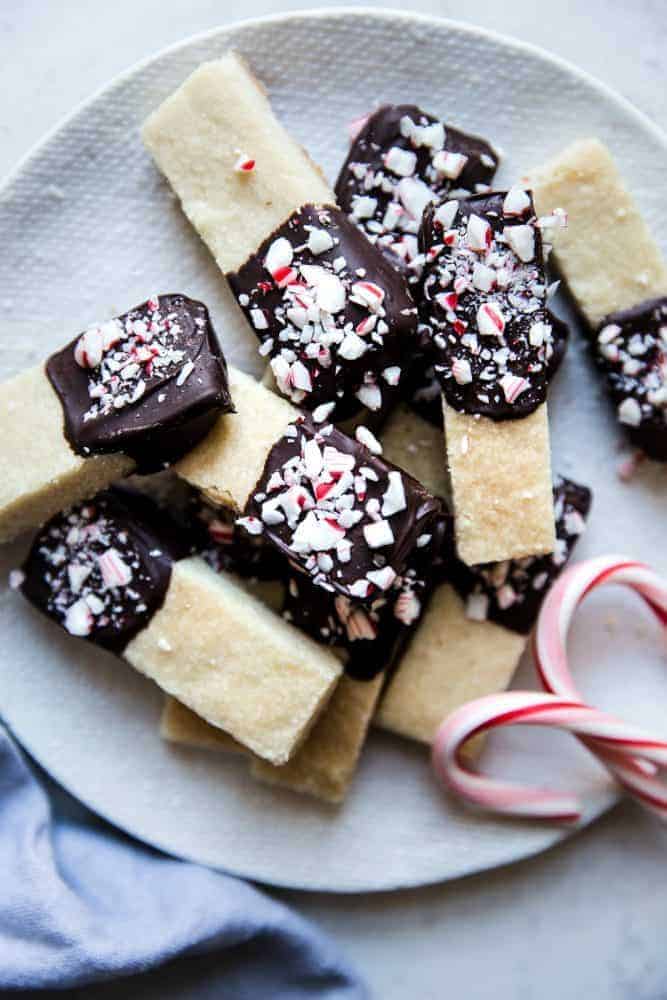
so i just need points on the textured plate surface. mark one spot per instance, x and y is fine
(89, 229)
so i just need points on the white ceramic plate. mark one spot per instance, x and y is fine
(89, 229)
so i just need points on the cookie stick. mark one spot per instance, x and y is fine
(485, 320)
(618, 278)
(323, 766)
(134, 392)
(331, 314)
(115, 572)
(475, 630)
(450, 659)
(606, 253)
(178, 723)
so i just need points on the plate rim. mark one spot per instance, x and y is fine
(497, 38)
(321, 13)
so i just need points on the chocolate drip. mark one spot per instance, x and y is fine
(511, 593)
(630, 348)
(334, 318)
(484, 304)
(150, 383)
(387, 204)
(322, 499)
(102, 568)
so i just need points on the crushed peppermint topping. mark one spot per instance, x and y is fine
(323, 494)
(125, 354)
(511, 592)
(401, 160)
(331, 320)
(373, 633)
(93, 578)
(368, 439)
(244, 164)
(631, 350)
(485, 298)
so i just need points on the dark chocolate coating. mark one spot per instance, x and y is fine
(406, 525)
(524, 575)
(144, 538)
(225, 546)
(374, 634)
(634, 363)
(168, 419)
(334, 377)
(381, 133)
(522, 304)
(422, 391)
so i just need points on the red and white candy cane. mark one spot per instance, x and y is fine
(635, 771)
(633, 756)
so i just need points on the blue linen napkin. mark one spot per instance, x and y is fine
(81, 903)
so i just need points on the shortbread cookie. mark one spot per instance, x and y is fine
(499, 476)
(136, 391)
(115, 572)
(179, 724)
(485, 322)
(606, 253)
(322, 767)
(616, 274)
(469, 643)
(402, 159)
(449, 661)
(325, 765)
(332, 315)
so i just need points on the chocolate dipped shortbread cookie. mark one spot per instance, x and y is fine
(115, 571)
(476, 624)
(618, 279)
(485, 323)
(133, 393)
(332, 316)
(323, 499)
(630, 348)
(338, 511)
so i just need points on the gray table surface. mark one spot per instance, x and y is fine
(587, 919)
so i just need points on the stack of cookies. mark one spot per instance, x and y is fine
(368, 532)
